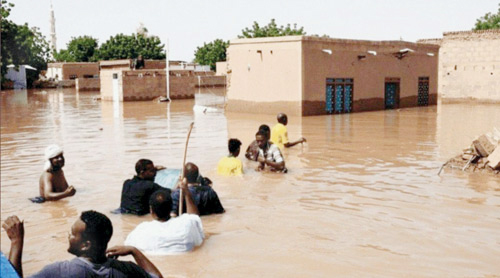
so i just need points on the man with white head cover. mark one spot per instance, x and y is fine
(53, 184)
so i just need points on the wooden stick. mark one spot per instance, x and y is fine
(446, 163)
(468, 163)
(181, 198)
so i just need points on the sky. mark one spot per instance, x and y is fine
(188, 24)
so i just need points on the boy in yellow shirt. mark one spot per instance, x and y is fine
(279, 133)
(231, 165)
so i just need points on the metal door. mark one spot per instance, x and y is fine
(390, 95)
(347, 98)
(329, 98)
(423, 91)
(339, 98)
(116, 92)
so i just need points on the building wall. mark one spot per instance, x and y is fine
(147, 84)
(154, 64)
(87, 84)
(350, 59)
(106, 78)
(469, 66)
(54, 71)
(265, 75)
(221, 68)
(288, 74)
(79, 70)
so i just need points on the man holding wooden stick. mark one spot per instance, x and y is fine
(204, 196)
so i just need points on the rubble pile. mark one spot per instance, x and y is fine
(482, 156)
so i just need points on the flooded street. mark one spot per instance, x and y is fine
(362, 198)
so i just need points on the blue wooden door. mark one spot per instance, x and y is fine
(390, 95)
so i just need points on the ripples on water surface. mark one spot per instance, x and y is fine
(362, 198)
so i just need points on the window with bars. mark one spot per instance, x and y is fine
(423, 91)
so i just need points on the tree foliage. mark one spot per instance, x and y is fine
(80, 49)
(211, 53)
(22, 45)
(130, 46)
(271, 30)
(488, 21)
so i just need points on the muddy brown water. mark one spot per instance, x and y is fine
(362, 198)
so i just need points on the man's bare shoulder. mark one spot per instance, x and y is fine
(46, 174)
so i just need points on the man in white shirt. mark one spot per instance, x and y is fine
(165, 236)
(269, 154)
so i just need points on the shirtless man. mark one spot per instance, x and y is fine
(53, 184)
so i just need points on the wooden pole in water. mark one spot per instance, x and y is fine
(183, 166)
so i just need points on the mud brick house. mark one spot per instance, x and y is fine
(307, 75)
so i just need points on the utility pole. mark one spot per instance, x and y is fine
(167, 69)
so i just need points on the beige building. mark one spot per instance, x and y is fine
(469, 66)
(72, 71)
(303, 75)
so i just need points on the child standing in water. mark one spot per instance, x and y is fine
(231, 165)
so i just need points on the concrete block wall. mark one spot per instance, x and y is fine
(469, 66)
(150, 84)
(88, 84)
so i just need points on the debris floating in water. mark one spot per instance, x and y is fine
(482, 156)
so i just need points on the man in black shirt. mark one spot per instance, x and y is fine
(204, 196)
(136, 191)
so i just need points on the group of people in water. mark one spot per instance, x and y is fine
(176, 225)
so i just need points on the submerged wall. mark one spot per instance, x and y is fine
(146, 84)
(265, 75)
(87, 84)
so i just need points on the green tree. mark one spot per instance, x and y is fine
(271, 30)
(22, 45)
(488, 21)
(130, 46)
(210, 53)
(80, 49)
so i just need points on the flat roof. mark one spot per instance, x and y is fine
(324, 40)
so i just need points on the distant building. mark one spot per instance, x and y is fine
(18, 76)
(72, 70)
(304, 75)
(122, 83)
(469, 65)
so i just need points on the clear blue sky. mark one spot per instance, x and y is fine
(190, 23)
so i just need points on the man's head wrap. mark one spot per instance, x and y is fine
(51, 152)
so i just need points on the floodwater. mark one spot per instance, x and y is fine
(362, 198)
